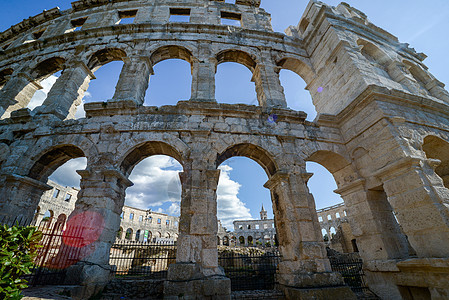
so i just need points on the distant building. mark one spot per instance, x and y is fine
(255, 232)
(136, 225)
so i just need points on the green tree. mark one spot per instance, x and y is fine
(18, 247)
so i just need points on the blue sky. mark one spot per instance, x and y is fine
(423, 24)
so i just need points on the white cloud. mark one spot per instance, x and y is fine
(40, 96)
(66, 174)
(230, 208)
(156, 182)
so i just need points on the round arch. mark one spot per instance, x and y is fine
(340, 168)
(171, 52)
(256, 153)
(437, 148)
(105, 56)
(298, 66)
(237, 56)
(52, 159)
(145, 150)
(47, 67)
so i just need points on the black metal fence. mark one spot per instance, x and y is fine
(250, 270)
(59, 249)
(143, 259)
(350, 266)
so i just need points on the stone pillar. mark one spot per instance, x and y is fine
(67, 92)
(372, 222)
(134, 79)
(196, 274)
(97, 213)
(305, 271)
(270, 92)
(20, 196)
(203, 74)
(421, 201)
(17, 93)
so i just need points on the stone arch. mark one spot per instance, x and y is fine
(46, 163)
(298, 66)
(225, 241)
(337, 165)
(4, 75)
(171, 52)
(371, 51)
(105, 56)
(241, 240)
(138, 234)
(418, 73)
(254, 152)
(437, 148)
(62, 218)
(47, 67)
(250, 240)
(237, 56)
(147, 149)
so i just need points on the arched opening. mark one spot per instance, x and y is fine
(437, 148)
(419, 75)
(296, 95)
(154, 199)
(106, 64)
(45, 73)
(57, 169)
(233, 78)
(226, 241)
(218, 240)
(333, 232)
(244, 169)
(172, 78)
(295, 75)
(376, 200)
(377, 58)
(138, 235)
(129, 234)
(120, 233)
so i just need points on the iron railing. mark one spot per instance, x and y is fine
(250, 271)
(142, 259)
(350, 266)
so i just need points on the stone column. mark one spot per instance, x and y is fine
(97, 213)
(196, 272)
(134, 79)
(203, 74)
(67, 92)
(372, 222)
(421, 201)
(270, 92)
(304, 267)
(20, 196)
(17, 93)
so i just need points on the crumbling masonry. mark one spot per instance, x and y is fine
(382, 131)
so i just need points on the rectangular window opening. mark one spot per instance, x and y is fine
(127, 17)
(56, 193)
(159, 221)
(180, 15)
(77, 24)
(231, 19)
(38, 34)
(67, 197)
(131, 216)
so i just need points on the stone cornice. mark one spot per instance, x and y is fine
(28, 181)
(351, 187)
(276, 179)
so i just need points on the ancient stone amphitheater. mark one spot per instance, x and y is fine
(382, 131)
